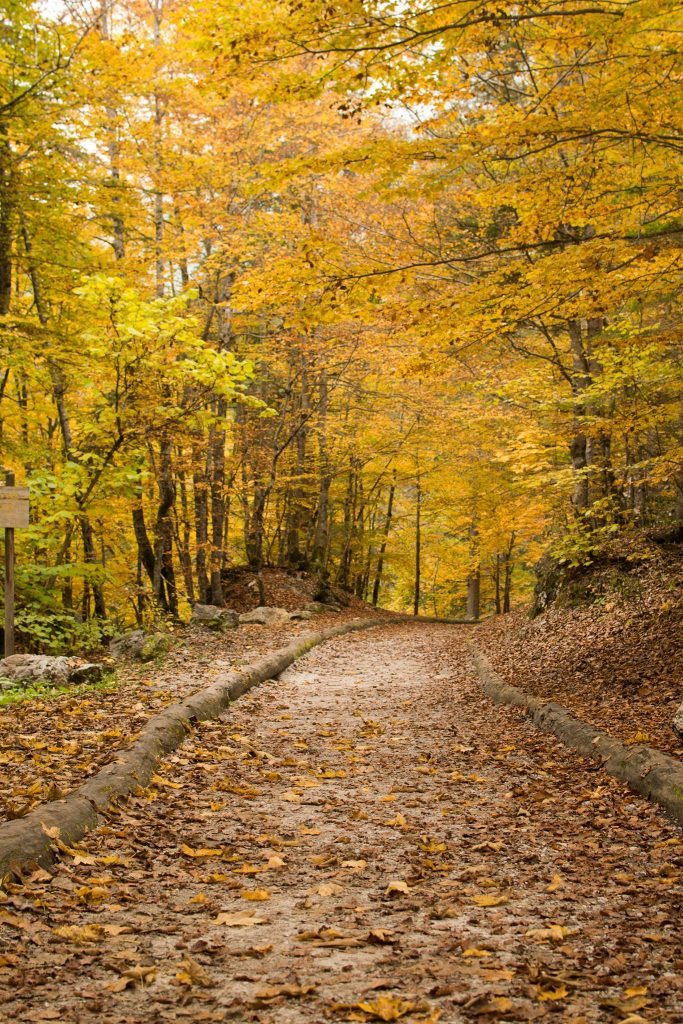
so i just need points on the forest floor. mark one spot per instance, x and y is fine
(616, 661)
(366, 839)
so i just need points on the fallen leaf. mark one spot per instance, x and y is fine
(189, 852)
(240, 919)
(553, 933)
(387, 1008)
(489, 900)
(545, 995)
(396, 886)
(137, 975)
(255, 894)
(270, 992)
(191, 973)
(80, 934)
(329, 889)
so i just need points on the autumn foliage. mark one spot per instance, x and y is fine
(386, 292)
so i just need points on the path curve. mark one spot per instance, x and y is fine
(415, 853)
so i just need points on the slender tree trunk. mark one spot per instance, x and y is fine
(201, 522)
(217, 442)
(322, 524)
(7, 203)
(383, 547)
(418, 542)
(58, 382)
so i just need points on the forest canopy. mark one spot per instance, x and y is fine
(386, 292)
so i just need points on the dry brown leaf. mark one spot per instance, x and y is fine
(329, 889)
(191, 973)
(270, 992)
(553, 933)
(545, 995)
(137, 975)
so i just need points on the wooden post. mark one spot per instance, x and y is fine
(14, 510)
(9, 580)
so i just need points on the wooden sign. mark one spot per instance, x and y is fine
(13, 507)
(13, 515)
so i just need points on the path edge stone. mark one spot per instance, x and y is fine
(26, 841)
(650, 772)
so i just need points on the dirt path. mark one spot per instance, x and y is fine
(367, 839)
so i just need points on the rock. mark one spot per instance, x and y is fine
(318, 608)
(213, 617)
(303, 614)
(87, 672)
(155, 645)
(43, 668)
(677, 724)
(265, 616)
(128, 646)
(140, 645)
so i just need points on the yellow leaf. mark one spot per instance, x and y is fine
(80, 935)
(638, 990)
(274, 862)
(159, 781)
(192, 973)
(189, 852)
(356, 866)
(240, 919)
(255, 894)
(329, 889)
(476, 952)
(387, 1008)
(489, 901)
(545, 995)
(397, 886)
(555, 884)
(554, 933)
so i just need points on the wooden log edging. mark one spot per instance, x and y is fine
(25, 841)
(653, 774)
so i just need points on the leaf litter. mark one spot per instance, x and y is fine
(547, 890)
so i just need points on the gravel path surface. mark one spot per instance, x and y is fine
(366, 839)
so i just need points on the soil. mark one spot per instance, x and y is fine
(366, 839)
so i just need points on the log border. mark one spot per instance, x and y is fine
(651, 773)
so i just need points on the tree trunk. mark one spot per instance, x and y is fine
(418, 543)
(383, 547)
(473, 588)
(322, 522)
(217, 442)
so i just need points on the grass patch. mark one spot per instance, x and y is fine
(47, 691)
